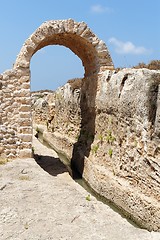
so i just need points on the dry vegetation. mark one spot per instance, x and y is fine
(75, 83)
(3, 161)
(153, 65)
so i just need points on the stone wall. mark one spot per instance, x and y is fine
(16, 127)
(15, 121)
(127, 143)
(115, 143)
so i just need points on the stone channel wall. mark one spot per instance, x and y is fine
(115, 143)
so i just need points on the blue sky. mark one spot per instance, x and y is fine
(130, 30)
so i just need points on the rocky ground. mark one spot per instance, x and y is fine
(40, 201)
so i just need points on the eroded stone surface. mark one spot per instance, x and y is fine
(115, 140)
(43, 202)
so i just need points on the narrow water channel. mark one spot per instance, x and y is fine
(83, 183)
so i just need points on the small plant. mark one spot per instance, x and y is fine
(88, 197)
(75, 83)
(152, 65)
(70, 130)
(37, 129)
(33, 150)
(110, 138)
(110, 152)
(26, 226)
(135, 143)
(110, 120)
(77, 137)
(24, 178)
(3, 161)
(100, 138)
(95, 149)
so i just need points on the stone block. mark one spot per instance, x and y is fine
(25, 108)
(25, 153)
(25, 137)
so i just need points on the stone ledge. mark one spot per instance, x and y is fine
(135, 205)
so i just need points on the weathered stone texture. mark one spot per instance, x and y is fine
(127, 142)
(109, 128)
(11, 118)
(123, 163)
(15, 83)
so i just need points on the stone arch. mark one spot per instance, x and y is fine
(74, 35)
(16, 119)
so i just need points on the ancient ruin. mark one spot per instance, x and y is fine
(16, 123)
(110, 123)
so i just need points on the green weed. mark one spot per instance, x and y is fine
(110, 152)
(100, 137)
(37, 129)
(110, 138)
(95, 149)
(24, 178)
(88, 197)
(3, 161)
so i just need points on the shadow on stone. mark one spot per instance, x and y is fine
(82, 147)
(50, 164)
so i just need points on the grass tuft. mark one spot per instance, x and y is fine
(3, 161)
(24, 178)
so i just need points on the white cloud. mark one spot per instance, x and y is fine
(128, 47)
(100, 9)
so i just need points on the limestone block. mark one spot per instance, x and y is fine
(15, 105)
(69, 25)
(22, 93)
(1, 150)
(25, 108)
(25, 137)
(25, 86)
(26, 130)
(87, 34)
(82, 26)
(25, 153)
(25, 115)
(23, 100)
(24, 79)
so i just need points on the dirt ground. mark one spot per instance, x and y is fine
(40, 201)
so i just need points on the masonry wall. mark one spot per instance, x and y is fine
(15, 120)
(16, 124)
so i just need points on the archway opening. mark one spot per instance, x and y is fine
(95, 58)
(54, 111)
(52, 66)
(78, 45)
